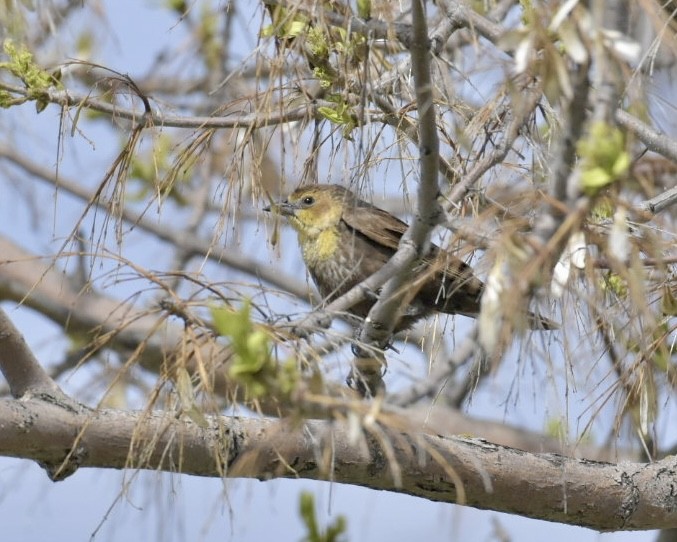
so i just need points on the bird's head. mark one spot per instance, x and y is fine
(312, 210)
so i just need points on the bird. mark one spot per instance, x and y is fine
(345, 239)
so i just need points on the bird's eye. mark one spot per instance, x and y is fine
(308, 200)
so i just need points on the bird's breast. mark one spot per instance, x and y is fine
(319, 248)
(334, 266)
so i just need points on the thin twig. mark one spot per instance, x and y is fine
(438, 377)
(275, 116)
(520, 117)
(182, 240)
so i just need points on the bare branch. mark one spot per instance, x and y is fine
(372, 28)
(563, 187)
(322, 319)
(431, 386)
(654, 140)
(108, 323)
(19, 366)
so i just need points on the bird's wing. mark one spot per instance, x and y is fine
(377, 225)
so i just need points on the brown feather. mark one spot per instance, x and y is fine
(375, 224)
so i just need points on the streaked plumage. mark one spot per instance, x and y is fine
(344, 240)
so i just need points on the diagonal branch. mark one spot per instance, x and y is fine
(415, 242)
(431, 386)
(654, 140)
(660, 202)
(19, 366)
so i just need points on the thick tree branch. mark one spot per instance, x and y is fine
(161, 348)
(601, 496)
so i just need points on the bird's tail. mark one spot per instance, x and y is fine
(534, 321)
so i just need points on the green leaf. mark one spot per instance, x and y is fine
(285, 23)
(621, 165)
(230, 323)
(364, 9)
(252, 356)
(252, 363)
(317, 42)
(296, 27)
(307, 511)
(21, 65)
(309, 518)
(595, 178)
(615, 284)
(179, 6)
(603, 210)
(603, 157)
(342, 115)
(330, 114)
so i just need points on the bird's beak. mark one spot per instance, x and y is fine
(283, 208)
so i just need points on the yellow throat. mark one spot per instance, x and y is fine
(320, 247)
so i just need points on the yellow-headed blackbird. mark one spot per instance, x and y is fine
(344, 240)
